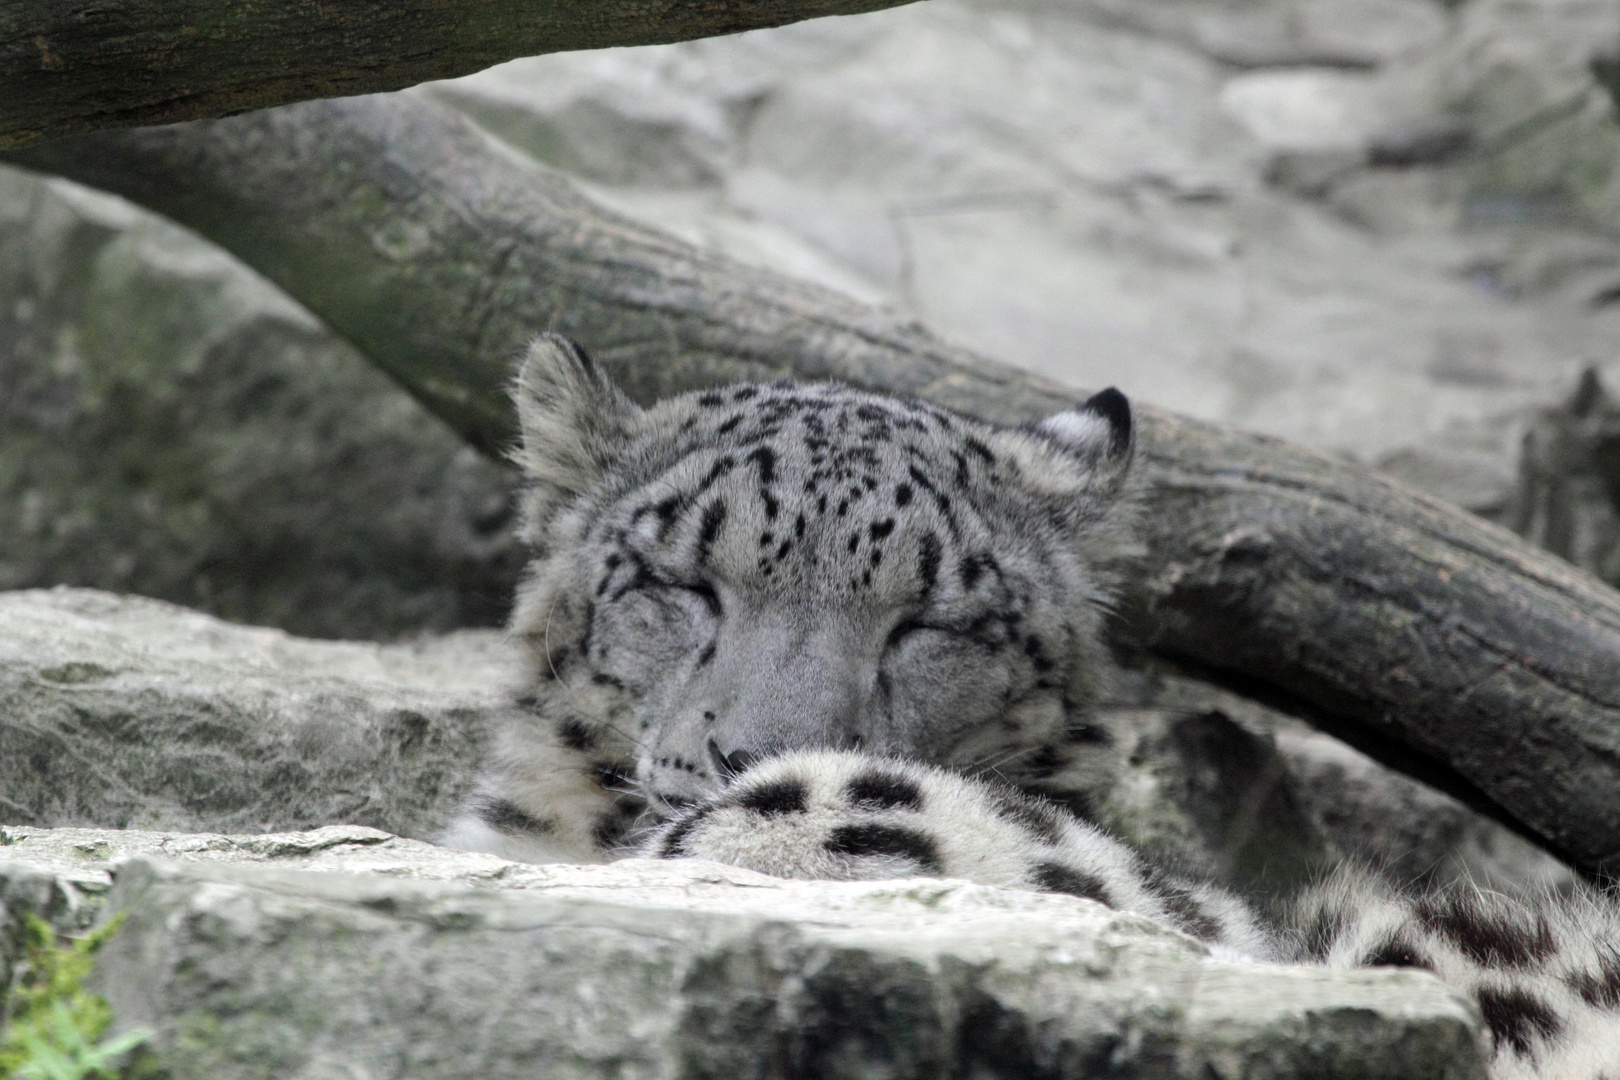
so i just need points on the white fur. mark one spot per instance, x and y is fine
(978, 831)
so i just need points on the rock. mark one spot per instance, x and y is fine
(131, 712)
(1198, 776)
(1363, 224)
(1382, 227)
(172, 425)
(79, 863)
(1535, 81)
(1342, 34)
(689, 969)
(1568, 497)
(1266, 803)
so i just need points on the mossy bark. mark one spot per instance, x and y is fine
(1448, 646)
(72, 67)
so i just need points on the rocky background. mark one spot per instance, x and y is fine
(1387, 228)
(172, 425)
(346, 952)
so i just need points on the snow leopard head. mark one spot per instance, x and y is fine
(736, 573)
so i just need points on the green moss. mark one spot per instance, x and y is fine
(53, 1026)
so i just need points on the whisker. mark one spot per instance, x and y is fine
(574, 712)
(981, 762)
(995, 768)
(546, 643)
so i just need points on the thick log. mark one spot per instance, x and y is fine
(1449, 645)
(71, 66)
(1444, 645)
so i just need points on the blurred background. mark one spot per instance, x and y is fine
(1389, 229)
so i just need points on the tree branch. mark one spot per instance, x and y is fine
(71, 66)
(1407, 624)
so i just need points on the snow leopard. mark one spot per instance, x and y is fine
(824, 633)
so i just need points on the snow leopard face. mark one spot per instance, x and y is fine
(743, 572)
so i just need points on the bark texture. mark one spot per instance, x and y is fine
(1447, 645)
(72, 66)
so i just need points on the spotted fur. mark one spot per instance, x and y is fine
(1544, 970)
(794, 627)
(931, 822)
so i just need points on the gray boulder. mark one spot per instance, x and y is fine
(1381, 227)
(127, 712)
(172, 425)
(399, 959)
(1568, 495)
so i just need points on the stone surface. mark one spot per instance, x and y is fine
(1202, 777)
(171, 425)
(1264, 794)
(127, 712)
(1568, 496)
(81, 861)
(123, 712)
(687, 969)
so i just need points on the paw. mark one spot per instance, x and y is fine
(844, 816)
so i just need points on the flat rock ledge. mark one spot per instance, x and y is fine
(133, 713)
(348, 952)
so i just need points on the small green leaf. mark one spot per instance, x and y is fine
(53, 1026)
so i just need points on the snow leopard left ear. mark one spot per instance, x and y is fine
(1079, 458)
(574, 421)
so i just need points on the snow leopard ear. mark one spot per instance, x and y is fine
(1078, 458)
(1097, 432)
(573, 419)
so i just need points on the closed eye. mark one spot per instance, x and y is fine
(702, 590)
(710, 598)
(904, 630)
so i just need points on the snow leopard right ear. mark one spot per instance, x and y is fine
(574, 421)
(1097, 435)
(1077, 460)
(1098, 430)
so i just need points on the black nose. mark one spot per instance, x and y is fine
(727, 766)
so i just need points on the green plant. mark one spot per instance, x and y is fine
(53, 1026)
